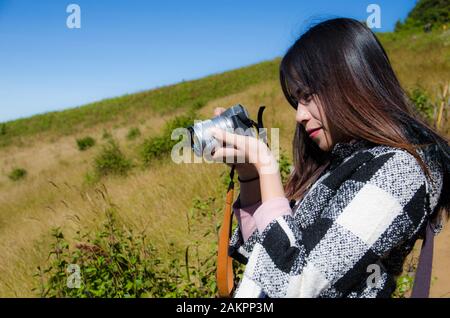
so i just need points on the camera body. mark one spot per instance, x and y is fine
(235, 120)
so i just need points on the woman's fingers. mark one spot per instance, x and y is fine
(228, 138)
(253, 150)
(228, 155)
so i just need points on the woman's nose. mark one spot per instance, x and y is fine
(302, 115)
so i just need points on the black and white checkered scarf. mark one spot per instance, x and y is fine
(350, 234)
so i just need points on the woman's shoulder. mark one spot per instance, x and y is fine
(402, 165)
(370, 157)
(379, 150)
(403, 156)
(396, 154)
(363, 152)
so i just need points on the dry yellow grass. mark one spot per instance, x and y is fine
(155, 199)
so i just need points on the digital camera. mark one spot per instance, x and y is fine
(235, 120)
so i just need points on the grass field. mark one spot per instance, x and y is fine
(156, 199)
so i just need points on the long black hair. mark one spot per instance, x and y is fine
(342, 63)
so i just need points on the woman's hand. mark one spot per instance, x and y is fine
(240, 148)
(248, 149)
(246, 171)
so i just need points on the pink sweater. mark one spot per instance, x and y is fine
(258, 216)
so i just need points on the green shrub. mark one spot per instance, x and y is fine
(85, 143)
(405, 281)
(91, 178)
(133, 133)
(432, 12)
(154, 147)
(115, 261)
(17, 174)
(404, 285)
(112, 263)
(161, 145)
(285, 167)
(422, 103)
(111, 161)
(2, 129)
(198, 104)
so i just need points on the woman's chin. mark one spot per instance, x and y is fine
(322, 142)
(324, 145)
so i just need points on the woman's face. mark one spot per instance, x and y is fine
(310, 114)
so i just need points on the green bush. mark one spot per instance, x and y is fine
(114, 261)
(2, 129)
(91, 178)
(285, 167)
(404, 285)
(133, 133)
(85, 143)
(154, 147)
(432, 12)
(405, 281)
(111, 161)
(422, 103)
(17, 174)
(198, 104)
(159, 146)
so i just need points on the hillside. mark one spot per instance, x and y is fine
(177, 207)
(428, 14)
(135, 107)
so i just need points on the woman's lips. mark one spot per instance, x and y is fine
(314, 132)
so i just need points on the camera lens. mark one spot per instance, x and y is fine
(233, 118)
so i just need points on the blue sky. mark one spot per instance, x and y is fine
(125, 46)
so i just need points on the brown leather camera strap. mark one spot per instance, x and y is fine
(225, 275)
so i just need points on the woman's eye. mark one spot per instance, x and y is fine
(305, 99)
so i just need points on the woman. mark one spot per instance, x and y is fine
(368, 175)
